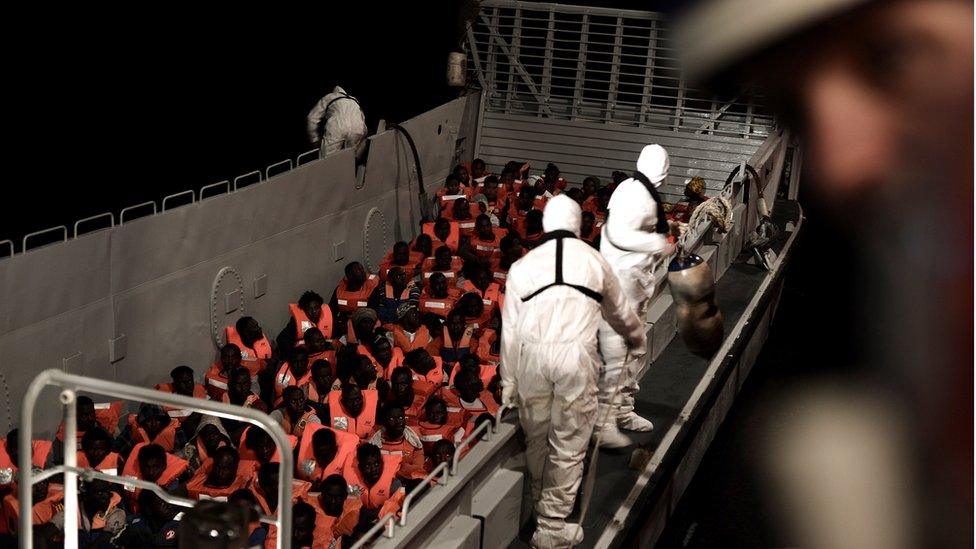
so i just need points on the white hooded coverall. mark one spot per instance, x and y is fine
(631, 225)
(550, 361)
(345, 124)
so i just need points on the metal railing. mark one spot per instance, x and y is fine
(596, 64)
(69, 384)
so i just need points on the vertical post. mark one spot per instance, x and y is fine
(492, 62)
(580, 66)
(680, 103)
(648, 72)
(70, 477)
(614, 70)
(513, 59)
(749, 108)
(547, 61)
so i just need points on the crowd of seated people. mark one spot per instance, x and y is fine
(375, 387)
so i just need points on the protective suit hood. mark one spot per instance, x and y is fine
(654, 163)
(562, 214)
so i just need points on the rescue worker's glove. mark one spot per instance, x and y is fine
(637, 346)
(509, 393)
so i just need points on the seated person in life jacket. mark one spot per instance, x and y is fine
(474, 308)
(372, 477)
(479, 171)
(443, 232)
(10, 459)
(87, 417)
(588, 198)
(256, 349)
(318, 346)
(353, 410)
(101, 515)
(323, 452)
(485, 372)
(295, 372)
(151, 424)
(510, 250)
(387, 297)
(218, 375)
(403, 394)
(481, 207)
(96, 452)
(295, 413)
(395, 437)
(151, 463)
(402, 257)
(46, 501)
(338, 512)
(463, 212)
(361, 328)
(183, 384)
(408, 333)
(552, 182)
(303, 528)
(257, 445)
(427, 372)
(423, 245)
(463, 174)
(519, 208)
(438, 297)
(467, 398)
(265, 487)
(436, 425)
(384, 354)
(210, 435)
(441, 451)
(220, 475)
(155, 525)
(495, 194)
(239, 394)
(445, 263)
(352, 293)
(478, 280)
(602, 206)
(320, 386)
(484, 242)
(456, 340)
(451, 191)
(616, 178)
(588, 230)
(310, 312)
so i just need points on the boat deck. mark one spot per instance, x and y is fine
(667, 390)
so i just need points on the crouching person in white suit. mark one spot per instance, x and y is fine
(344, 127)
(555, 298)
(634, 237)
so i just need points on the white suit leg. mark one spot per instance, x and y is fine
(635, 285)
(534, 416)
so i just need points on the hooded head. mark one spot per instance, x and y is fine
(653, 162)
(562, 214)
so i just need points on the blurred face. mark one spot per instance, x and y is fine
(39, 491)
(332, 499)
(365, 373)
(13, 447)
(352, 400)
(183, 383)
(589, 186)
(587, 224)
(252, 330)
(455, 325)
(313, 310)
(401, 254)
(224, 471)
(442, 229)
(230, 358)
(474, 307)
(96, 451)
(97, 495)
(315, 342)
(461, 209)
(211, 437)
(525, 202)
(442, 453)
(887, 99)
(452, 186)
(477, 169)
(471, 388)
(383, 351)
(356, 274)
(239, 385)
(411, 320)
(604, 202)
(265, 450)
(302, 528)
(438, 286)
(152, 468)
(322, 377)
(551, 175)
(295, 402)
(299, 363)
(85, 416)
(461, 173)
(397, 278)
(436, 413)
(515, 251)
(394, 423)
(324, 452)
(442, 259)
(401, 385)
(483, 228)
(491, 190)
(481, 279)
(372, 469)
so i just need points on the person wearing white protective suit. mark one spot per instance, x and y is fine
(554, 299)
(634, 237)
(345, 124)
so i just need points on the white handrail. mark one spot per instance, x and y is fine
(387, 523)
(483, 428)
(424, 484)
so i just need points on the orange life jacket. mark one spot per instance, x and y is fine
(180, 414)
(426, 385)
(98, 521)
(298, 428)
(249, 400)
(421, 339)
(350, 300)
(107, 415)
(361, 426)
(252, 359)
(590, 204)
(432, 432)
(41, 512)
(40, 450)
(379, 495)
(461, 412)
(246, 453)
(216, 382)
(302, 322)
(486, 373)
(197, 489)
(414, 259)
(451, 274)
(299, 490)
(485, 248)
(329, 529)
(437, 305)
(174, 468)
(408, 447)
(165, 438)
(453, 237)
(485, 353)
(309, 469)
(316, 396)
(285, 378)
(395, 362)
(109, 464)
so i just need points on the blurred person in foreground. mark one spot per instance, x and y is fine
(880, 93)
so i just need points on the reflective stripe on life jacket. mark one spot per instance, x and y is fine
(362, 425)
(165, 438)
(309, 469)
(252, 359)
(350, 300)
(180, 414)
(373, 497)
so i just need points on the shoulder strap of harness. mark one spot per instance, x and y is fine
(596, 296)
(662, 220)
